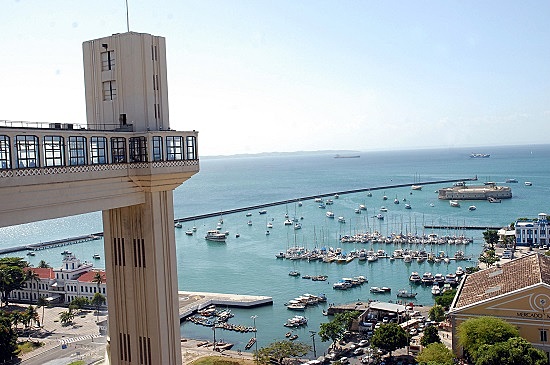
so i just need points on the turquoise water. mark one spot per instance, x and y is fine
(247, 265)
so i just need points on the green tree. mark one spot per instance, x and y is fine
(42, 302)
(30, 314)
(488, 257)
(435, 354)
(491, 237)
(436, 313)
(446, 299)
(515, 351)
(66, 317)
(334, 330)
(12, 276)
(280, 350)
(98, 279)
(8, 337)
(475, 332)
(43, 265)
(430, 336)
(98, 300)
(78, 303)
(390, 337)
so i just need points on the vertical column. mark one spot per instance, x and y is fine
(140, 259)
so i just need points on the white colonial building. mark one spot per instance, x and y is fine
(532, 232)
(61, 285)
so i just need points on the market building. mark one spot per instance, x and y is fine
(532, 232)
(517, 292)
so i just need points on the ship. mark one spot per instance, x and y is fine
(479, 155)
(347, 156)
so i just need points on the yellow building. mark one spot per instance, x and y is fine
(517, 292)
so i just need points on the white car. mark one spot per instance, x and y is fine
(413, 331)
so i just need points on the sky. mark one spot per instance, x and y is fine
(303, 75)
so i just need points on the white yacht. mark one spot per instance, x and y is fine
(215, 235)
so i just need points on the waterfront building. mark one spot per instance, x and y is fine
(533, 232)
(461, 191)
(63, 284)
(125, 162)
(517, 292)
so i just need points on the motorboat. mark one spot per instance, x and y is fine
(508, 181)
(384, 197)
(396, 201)
(415, 278)
(427, 278)
(357, 211)
(31, 253)
(288, 222)
(376, 290)
(528, 183)
(329, 202)
(416, 187)
(249, 223)
(269, 225)
(215, 236)
(436, 290)
(362, 207)
(472, 207)
(454, 203)
(294, 273)
(493, 200)
(296, 321)
(383, 209)
(298, 226)
(407, 206)
(189, 232)
(249, 214)
(329, 214)
(263, 211)
(404, 293)
(341, 219)
(379, 216)
(178, 225)
(96, 256)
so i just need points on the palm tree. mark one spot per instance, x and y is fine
(98, 279)
(30, 314)
(42, 303)
(32, 276)
(43, 264)
(98, 300)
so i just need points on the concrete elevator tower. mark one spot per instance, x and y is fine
(126, 162)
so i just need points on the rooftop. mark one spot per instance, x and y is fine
(515, 275)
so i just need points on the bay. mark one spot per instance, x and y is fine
(247, 264)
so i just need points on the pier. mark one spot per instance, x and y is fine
(473, 228)
(52, 244)
(191, 302)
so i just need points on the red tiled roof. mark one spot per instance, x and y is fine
(88, 277)
(511, 276)
(43, 273)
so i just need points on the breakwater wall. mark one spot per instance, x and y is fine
(311, 197)
(99, 235)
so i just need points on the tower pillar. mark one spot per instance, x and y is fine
(140, 260)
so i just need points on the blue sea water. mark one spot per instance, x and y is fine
(247, 265)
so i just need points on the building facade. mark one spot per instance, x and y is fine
(518, 292)
(533, 232)
(63, 284)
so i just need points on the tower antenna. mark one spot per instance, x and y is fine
(127, 18)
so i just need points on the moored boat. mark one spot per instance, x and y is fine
(215, 236)
(403, 293)
(454, 203)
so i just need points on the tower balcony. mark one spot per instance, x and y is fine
(95, 170)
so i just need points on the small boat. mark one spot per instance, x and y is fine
(396, 201)
(415, 278)
(263, 211)
(432, 205)
(250, 343)
(416, 187)
(508, 181)
(454, 203)
(362, 207)
(237, 235)
(294, 273)
(269, 225)
(493, 200)
(379, 216)
(472, 207)
(66, 252)
(249, 223)
(249, 214)
(480, 155)
(329, 202)
(383, 209)
(288, 334)
(189, 232)
(369, 194)
(341, 219)
(528, 183)
(403, 293)
(267, 233)
(215, 236)
(293, 337)
(298, 226)
(384, 197)
(357, 211)
(31, 253)
(407, 206)
(436, 290)
(178, 225)
(288, 222)
(96, 256)
(329, 214)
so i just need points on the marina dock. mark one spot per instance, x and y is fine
(191, 302)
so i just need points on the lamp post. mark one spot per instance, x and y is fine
(255, 331)
(313, 339)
